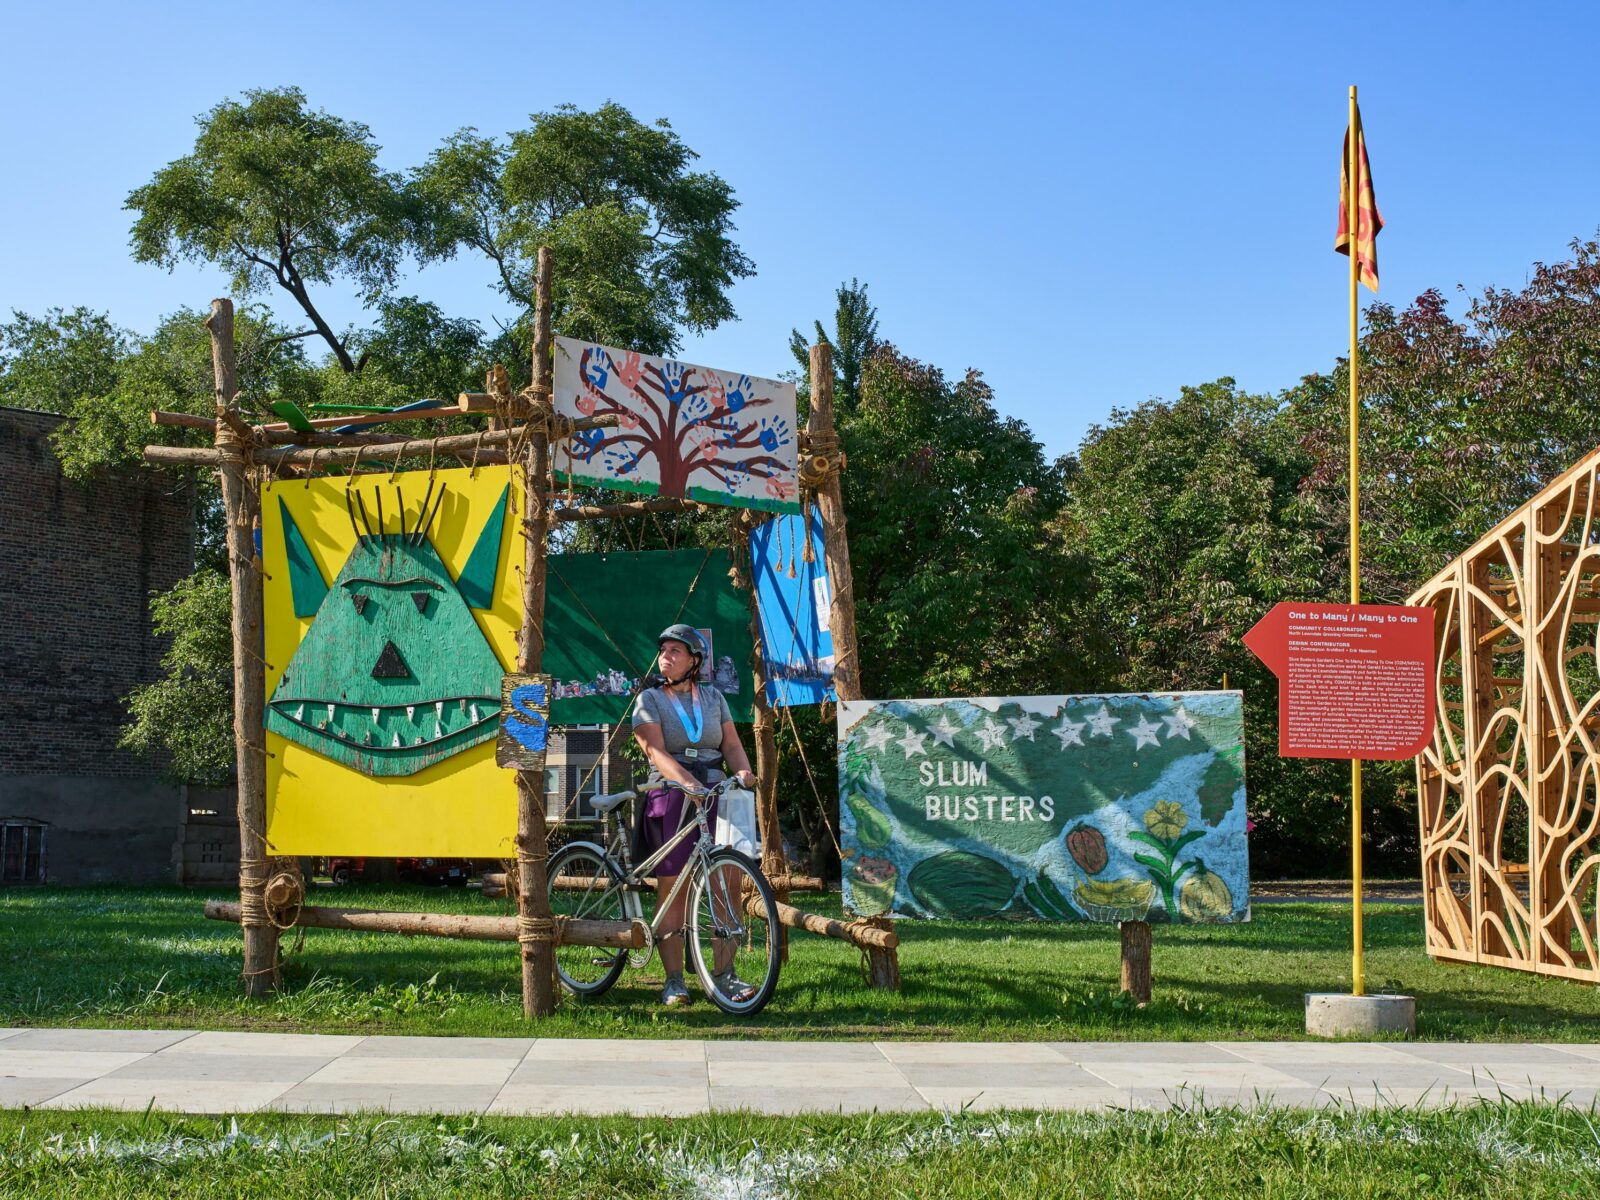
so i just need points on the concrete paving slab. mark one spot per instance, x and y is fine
(1343, 1075)
(415, 1072)
(532, 1100)
(5, 1033)
(1224, 1076)
(806, 1052)
(354, 1097)
(1161, 1099)
(1143, 1052)
(1586, 1050)
(901, 1053)
(310, 1045)
(1546, 1075)
(791, 1101)
(615, 1050)
(26, 1092)
(955, 1099)
(385, 1046)
(1465, 1053)
(246, 1068)
(60, 1064)
(106, 1041)
(1297, 1053)
(1035, 1075)
(185, 1095)
(549, 1073)
(796, 1074)
(1410, 1097)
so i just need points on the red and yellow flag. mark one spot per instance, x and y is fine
(1368, 221)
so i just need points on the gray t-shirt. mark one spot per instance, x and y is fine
(660, 708)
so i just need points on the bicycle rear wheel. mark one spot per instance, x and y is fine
(733, 933)
(585, 883)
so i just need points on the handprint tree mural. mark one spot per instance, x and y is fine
(683, 430)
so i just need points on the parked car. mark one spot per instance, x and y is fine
(452, 872)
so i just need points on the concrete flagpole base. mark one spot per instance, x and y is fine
(1338, 1014)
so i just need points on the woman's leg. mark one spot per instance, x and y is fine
(726, 883)
(669, 930)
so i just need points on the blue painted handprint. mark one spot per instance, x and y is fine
(741, 393)
(586, 442)
(674, 382)
(597, 370)
(773, 434)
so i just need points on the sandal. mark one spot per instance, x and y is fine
(733, 988)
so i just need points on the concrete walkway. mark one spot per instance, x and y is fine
(247, 1072)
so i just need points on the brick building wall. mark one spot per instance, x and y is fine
(77, 565)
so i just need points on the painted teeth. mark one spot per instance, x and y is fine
(418, 742)
(395, 744)
(438, 710)
(367, 737)
(374, 714)
(411, 712)
(300, 713)
(475, 717)
(330, 712)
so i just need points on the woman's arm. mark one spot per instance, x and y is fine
(733, 754)
(649, 738)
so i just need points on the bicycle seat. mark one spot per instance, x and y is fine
(604, 804)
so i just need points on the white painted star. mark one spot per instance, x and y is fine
(1179, 723)
(1022, 727)
(992, 735)
(944, 733)
(878, 737)
(912, 743)
(1102, 722)
(1070, 732)
(1144, 733)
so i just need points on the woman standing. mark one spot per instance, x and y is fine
(687, 734)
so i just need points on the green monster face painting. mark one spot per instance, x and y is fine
(394, 673)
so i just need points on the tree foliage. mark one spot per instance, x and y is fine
(642, 241)
(854, 337)
(275, 193)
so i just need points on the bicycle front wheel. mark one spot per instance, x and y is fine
(733, 932)
(585, 883)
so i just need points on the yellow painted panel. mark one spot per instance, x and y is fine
(461, 806)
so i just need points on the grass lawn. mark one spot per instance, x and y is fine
(1525, 1150)
(146, 957)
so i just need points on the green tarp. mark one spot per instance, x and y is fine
(602, 614)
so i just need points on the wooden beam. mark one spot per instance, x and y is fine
(442, 409)
(857, 934)
(182, 420)
(598, 512)
(623, 935)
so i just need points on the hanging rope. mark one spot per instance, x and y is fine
(812, 780)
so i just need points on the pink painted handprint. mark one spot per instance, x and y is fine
(586, 404)
(715, 392)
(628, 370)
(780, 489)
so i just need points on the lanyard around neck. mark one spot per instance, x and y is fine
(692, 725)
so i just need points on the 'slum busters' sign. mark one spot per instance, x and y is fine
(1060, 808)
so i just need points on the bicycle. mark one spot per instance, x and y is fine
(731, 925)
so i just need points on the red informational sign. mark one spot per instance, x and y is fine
(1354, 680)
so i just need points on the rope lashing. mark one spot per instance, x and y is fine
(285, 893)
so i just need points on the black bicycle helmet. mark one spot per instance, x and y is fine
(688, 635)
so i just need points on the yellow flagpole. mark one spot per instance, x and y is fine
(1358, 972)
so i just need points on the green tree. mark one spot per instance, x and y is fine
(189, 711)
(48, 362)
(277, 193)
(642, 242)
(855, 336)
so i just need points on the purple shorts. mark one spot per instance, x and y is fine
(665, 812)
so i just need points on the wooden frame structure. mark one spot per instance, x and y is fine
(1509, 789)
(521, 430)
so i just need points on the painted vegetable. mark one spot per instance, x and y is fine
(1088, 848)
(1115, 899)
(1046, 899)
(872, 883)
(1205, 898)
(872, 827)
(958, 883)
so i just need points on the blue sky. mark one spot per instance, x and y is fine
(1094, 204)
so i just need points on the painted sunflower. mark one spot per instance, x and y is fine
(1166, 819)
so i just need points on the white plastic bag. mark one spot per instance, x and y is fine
(736, 822)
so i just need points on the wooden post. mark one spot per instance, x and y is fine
(242, 508)
(774, 865)
(536, 929)
(1136, 960)
(883, 965)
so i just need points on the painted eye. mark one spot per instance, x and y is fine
(420, 599)
(359, 601)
